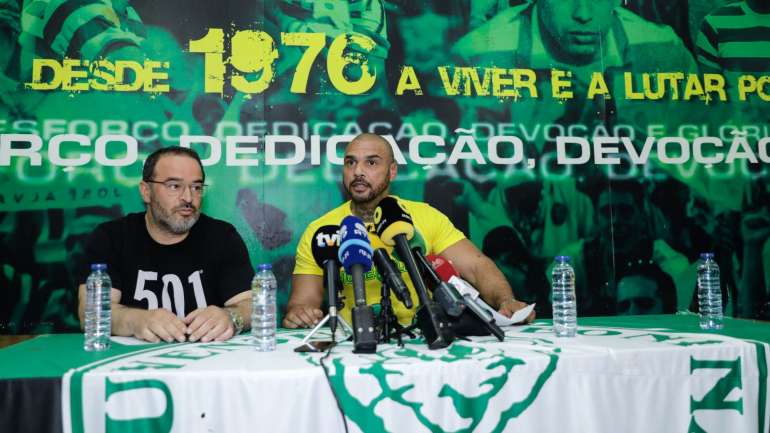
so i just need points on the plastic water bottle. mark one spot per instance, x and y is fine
(709, 293)
(263, 321)
(564, 304)
(98, 311)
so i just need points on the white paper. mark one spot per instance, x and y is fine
(465, 288)
(516, 318)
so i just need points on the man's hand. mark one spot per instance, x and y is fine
(480, 271)
(507, 308)
(159, 324)
(304, 310)
(210, 323)
(301, 316)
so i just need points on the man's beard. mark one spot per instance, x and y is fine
(373, 192)
(170, 222)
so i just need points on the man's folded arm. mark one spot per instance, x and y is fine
(241, 304)
(219, 323)
(149, 325)
(484, 275)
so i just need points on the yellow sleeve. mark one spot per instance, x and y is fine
(305, 264)
(442, 234)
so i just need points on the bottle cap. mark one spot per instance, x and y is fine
(562, 259)
(265, 267)
(707, 256)
(98, 266)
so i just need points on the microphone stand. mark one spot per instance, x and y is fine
(336, 303)
(346, 329)
(430, 318)
(388, 319)
(455, 304)
(364, 335)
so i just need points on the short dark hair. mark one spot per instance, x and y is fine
(149, 164)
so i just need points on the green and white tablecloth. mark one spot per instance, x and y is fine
(658, 374)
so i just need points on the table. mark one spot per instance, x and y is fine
(7, 340)
(630, 374)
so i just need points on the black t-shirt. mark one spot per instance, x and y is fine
(208, 267)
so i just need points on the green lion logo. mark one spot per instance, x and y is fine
(367, 385)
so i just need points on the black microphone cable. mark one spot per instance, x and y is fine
(329, 381)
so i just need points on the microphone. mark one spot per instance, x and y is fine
(325, 248)
(443, 268)
(326, 244)
(449, 274)
(445, 294)
(392, 277)
(395, 227)
(355, 254)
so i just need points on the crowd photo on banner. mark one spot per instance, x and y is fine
(630, 135)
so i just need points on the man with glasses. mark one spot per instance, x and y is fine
(177, 274)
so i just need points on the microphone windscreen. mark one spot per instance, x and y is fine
(355, 248)
(443, 267)
(325, 244)
(391, 219)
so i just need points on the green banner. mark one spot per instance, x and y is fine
(630, 135)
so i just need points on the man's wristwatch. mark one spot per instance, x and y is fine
(237, 320)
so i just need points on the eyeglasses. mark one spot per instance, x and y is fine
(177, 188)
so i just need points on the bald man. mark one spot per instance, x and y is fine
(369, 167)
